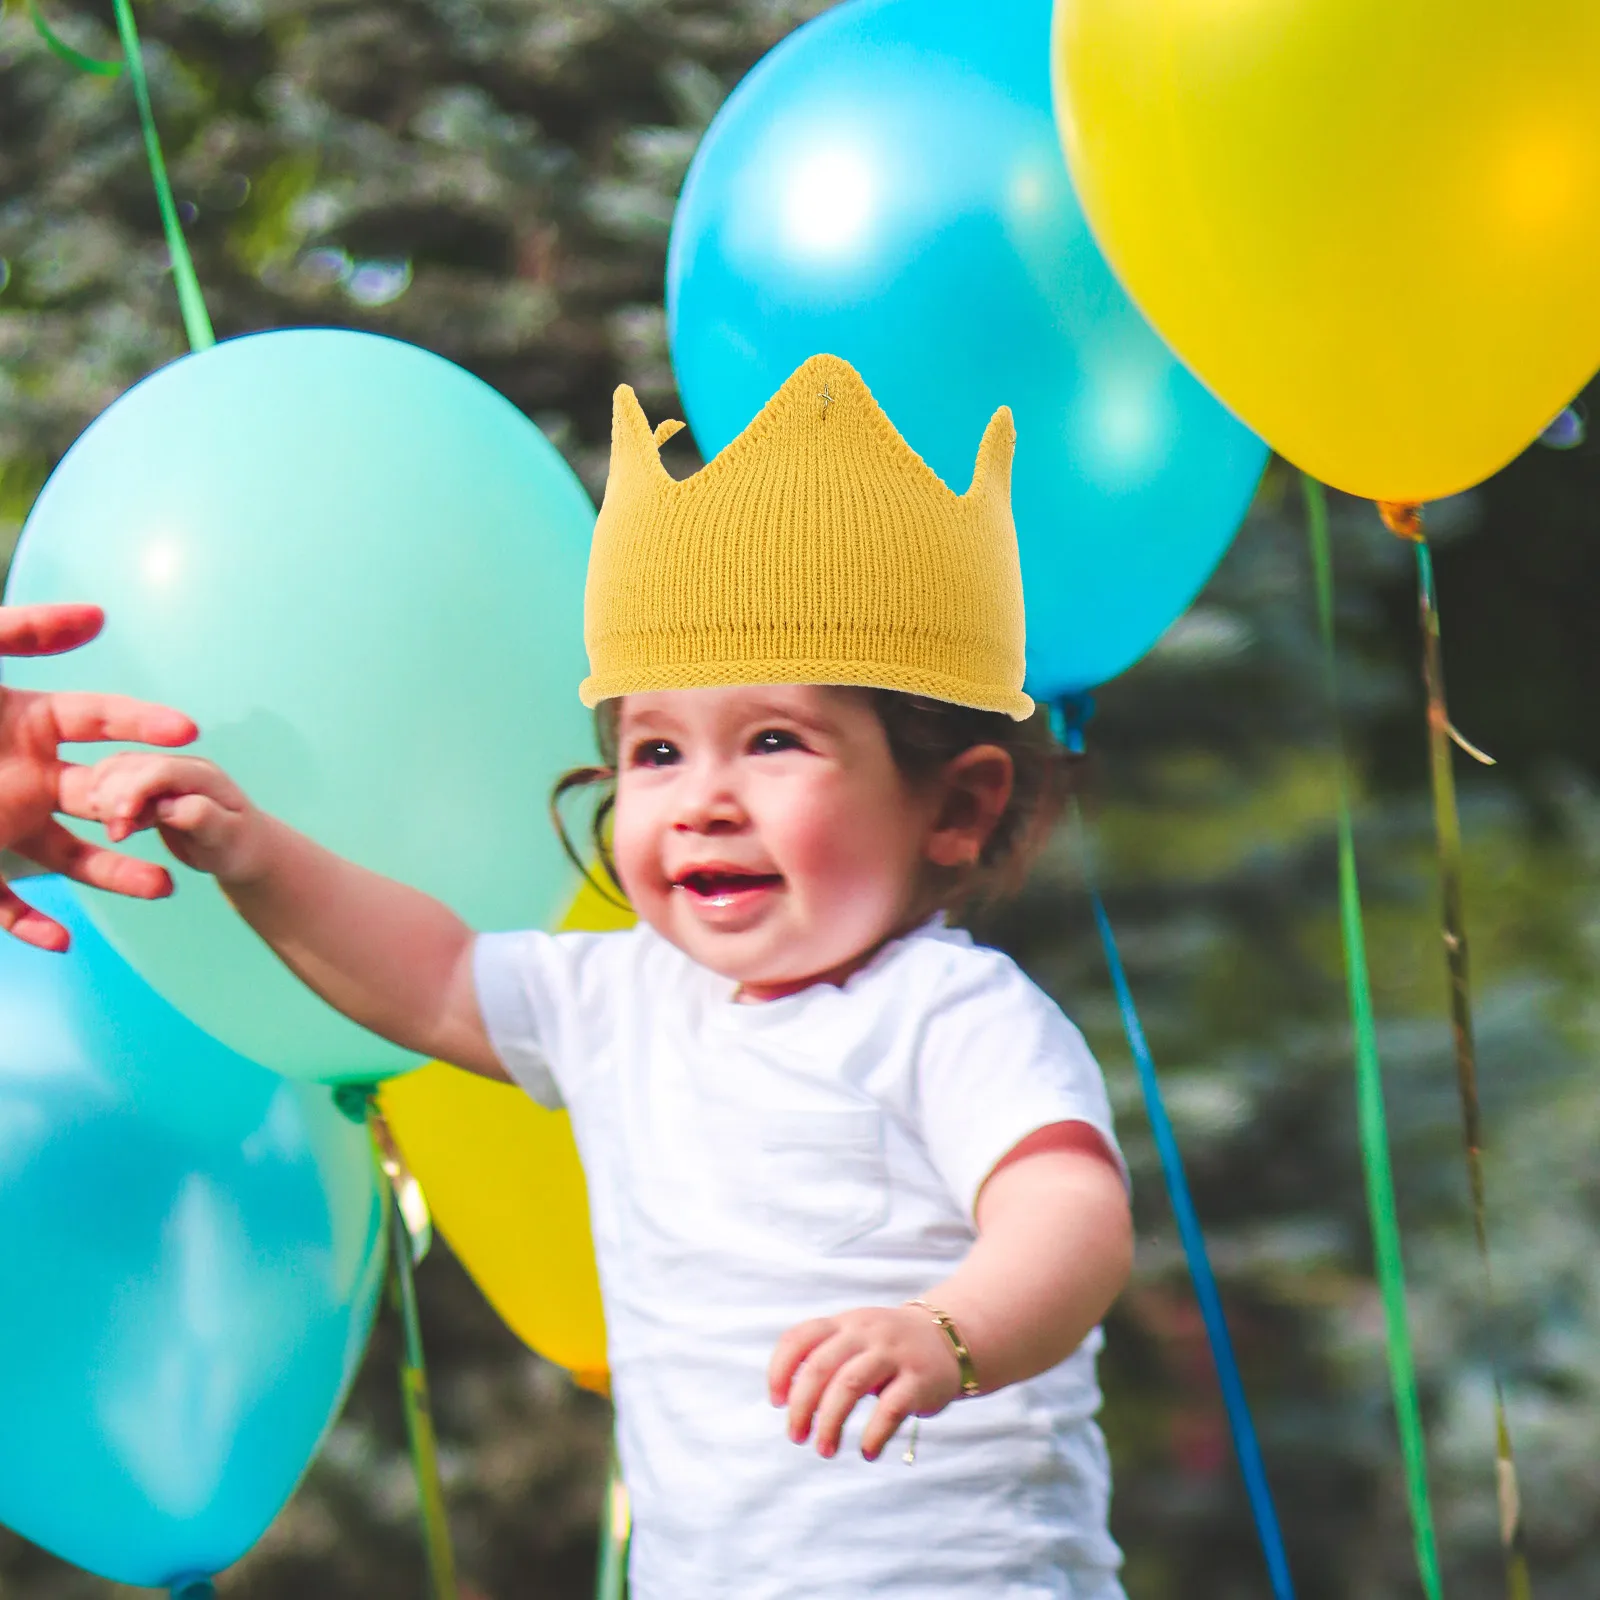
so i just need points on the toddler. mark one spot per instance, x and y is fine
(841, 1161)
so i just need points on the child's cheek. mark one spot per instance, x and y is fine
(635, 844)
(826, 843)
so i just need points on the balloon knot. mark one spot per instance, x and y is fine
(192, 1589)
(1402, 517)
(1069, 718)
(354, 1100)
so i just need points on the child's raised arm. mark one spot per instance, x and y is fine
(389, 957)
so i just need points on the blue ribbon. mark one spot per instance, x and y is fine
(1070, 718)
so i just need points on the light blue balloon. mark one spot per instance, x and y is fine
(361, 571)
(191, 1249)
(888, 186)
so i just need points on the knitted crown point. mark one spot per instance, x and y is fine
(818, 547)
(991, 472)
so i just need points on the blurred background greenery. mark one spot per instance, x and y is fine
(494, 179)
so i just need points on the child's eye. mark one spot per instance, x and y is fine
(654, 753)
(771, 740)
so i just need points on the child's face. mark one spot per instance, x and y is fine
(767, 831)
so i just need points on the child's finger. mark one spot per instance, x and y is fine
(815, 1374)
(110, 788)
(894, 1406)
(119, 790)
(791, 1350)
(858, 1377)
(124, 824)
(94, 792)
(197, 815)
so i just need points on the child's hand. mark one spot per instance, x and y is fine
(202, 816)
(822, 1368)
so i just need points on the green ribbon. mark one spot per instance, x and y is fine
(1369, 1093)
(404, 1240)
(196, 320)
(73, 58)
(419, 1415)
(409, 1233)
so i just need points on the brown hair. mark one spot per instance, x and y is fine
(924, 735)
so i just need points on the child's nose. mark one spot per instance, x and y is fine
(711, 805)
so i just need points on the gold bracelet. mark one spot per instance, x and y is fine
(969, 1375)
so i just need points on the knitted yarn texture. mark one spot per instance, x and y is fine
(818, 547)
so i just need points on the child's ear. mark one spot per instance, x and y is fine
(976, 789)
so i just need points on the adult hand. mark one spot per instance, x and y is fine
(32, 728)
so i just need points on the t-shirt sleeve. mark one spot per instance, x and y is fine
(520, 979)
(998, 1062)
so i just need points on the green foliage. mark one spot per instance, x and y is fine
(494, 179)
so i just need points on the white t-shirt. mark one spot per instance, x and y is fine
(750, 1166)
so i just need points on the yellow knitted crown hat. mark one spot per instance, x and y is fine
(818, 547)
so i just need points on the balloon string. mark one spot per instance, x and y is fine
(616, 1528)
(196, 320)
(1070, 718)
(410, 1232)
(63, 50)
(1372, 1119)
(1447, 833)
(419, 1417)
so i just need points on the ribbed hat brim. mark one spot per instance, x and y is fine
(840, 674)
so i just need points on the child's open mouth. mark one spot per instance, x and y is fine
(726, 886)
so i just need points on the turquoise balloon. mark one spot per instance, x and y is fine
(361, 571)
(888, 186)
(191, 1249)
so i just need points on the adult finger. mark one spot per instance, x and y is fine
(860, 1376)
(815, 1374)
(894, 1406)
(81, 717)
(47, 630)
(74, 790)
(53, 847)
(33, 927)
(791, 1350)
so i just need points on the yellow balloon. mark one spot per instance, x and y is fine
(1371, 226)
(503, 1181)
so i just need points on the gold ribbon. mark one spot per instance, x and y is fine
(1406, 521)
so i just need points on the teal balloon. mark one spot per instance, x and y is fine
(361, 571)
(192, 1249)
(888, 186)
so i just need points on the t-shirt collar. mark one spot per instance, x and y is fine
(719, 991)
